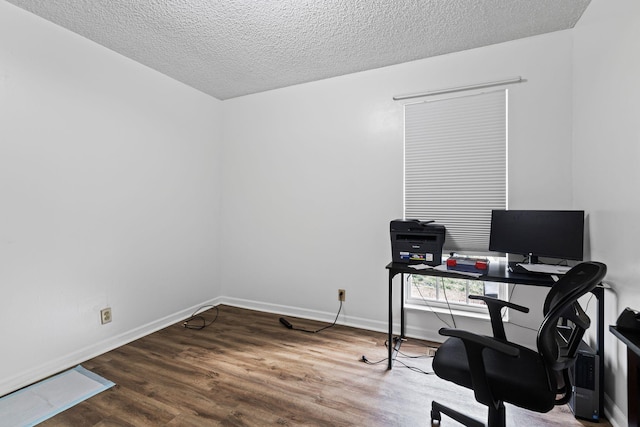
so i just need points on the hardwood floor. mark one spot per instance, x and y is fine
(246, 369)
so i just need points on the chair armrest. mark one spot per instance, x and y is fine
(481, 341)
(494, 306)
(498, 302)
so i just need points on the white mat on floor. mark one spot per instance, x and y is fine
(38, 402)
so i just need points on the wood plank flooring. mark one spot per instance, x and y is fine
(246, 369)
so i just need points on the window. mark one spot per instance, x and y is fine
(448, 293)
(455, 174)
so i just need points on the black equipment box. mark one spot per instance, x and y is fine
(585, 384)
(416, 242)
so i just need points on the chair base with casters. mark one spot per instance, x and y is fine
(437, 409)
(500, 371)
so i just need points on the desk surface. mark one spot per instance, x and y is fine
(498, 272)
(630, 338)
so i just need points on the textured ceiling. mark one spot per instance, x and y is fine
(230, 48)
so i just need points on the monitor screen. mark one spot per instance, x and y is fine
(553, 234)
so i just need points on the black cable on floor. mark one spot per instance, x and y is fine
(288, 324)
(197, 317)
(412, 368)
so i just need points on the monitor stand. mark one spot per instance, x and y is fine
(515, 268)
(531, 259)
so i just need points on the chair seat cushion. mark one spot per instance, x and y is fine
(522, 380)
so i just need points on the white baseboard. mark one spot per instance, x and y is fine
(54, 366)
(614, 415)
(321, 316)
(324, 316)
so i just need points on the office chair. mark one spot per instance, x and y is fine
(500, 371)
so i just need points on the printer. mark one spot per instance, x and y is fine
(416, 242)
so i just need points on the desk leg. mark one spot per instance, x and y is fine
(633, 381)
(599, 294)
(394, 345)
(390, 348)
(402, 336)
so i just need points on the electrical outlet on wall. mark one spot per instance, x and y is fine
(341, 294)
(105, 315)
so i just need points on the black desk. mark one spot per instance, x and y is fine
(498, 272)
(632, 341)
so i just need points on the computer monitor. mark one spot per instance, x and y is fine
(538, 233)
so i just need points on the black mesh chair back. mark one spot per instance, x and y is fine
(565, 321)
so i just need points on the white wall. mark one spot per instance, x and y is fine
(109, 196)
(606, 156)
(313, 175)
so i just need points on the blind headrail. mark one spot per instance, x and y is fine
(460, 88)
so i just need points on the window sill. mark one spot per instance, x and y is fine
(444, 310)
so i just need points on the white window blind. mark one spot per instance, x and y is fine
(456, 165)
